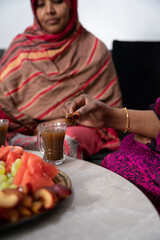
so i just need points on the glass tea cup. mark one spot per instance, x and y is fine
(50, 140)
(3, 131)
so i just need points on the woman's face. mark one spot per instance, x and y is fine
(53, 15)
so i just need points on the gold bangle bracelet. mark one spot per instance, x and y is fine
(128, 121)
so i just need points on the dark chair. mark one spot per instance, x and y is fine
(138, 69)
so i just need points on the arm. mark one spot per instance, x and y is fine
(144, 123)
(94, 113)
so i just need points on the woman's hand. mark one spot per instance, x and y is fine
(93, 113)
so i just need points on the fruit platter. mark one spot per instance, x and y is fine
(29, 186)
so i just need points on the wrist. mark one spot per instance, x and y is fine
(117, 119)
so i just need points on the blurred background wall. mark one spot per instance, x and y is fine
(133, 20)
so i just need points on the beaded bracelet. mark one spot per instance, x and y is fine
(128, 121)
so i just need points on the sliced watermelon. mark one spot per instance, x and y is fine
(35, 175)
(11, 158)
(50, 169)
(35, 171)
(20, 173)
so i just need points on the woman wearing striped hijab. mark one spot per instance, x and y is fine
(53, 61)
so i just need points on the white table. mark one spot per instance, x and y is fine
(103, 206)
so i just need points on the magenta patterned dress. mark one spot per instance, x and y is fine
(139, 163)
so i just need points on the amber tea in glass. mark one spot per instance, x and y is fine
(3, 131)
(50, 141)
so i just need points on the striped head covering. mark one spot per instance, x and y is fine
(40, 72)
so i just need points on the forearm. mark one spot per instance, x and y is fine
(144, 123)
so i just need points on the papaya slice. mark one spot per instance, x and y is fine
(4, 150)
(19, 150)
